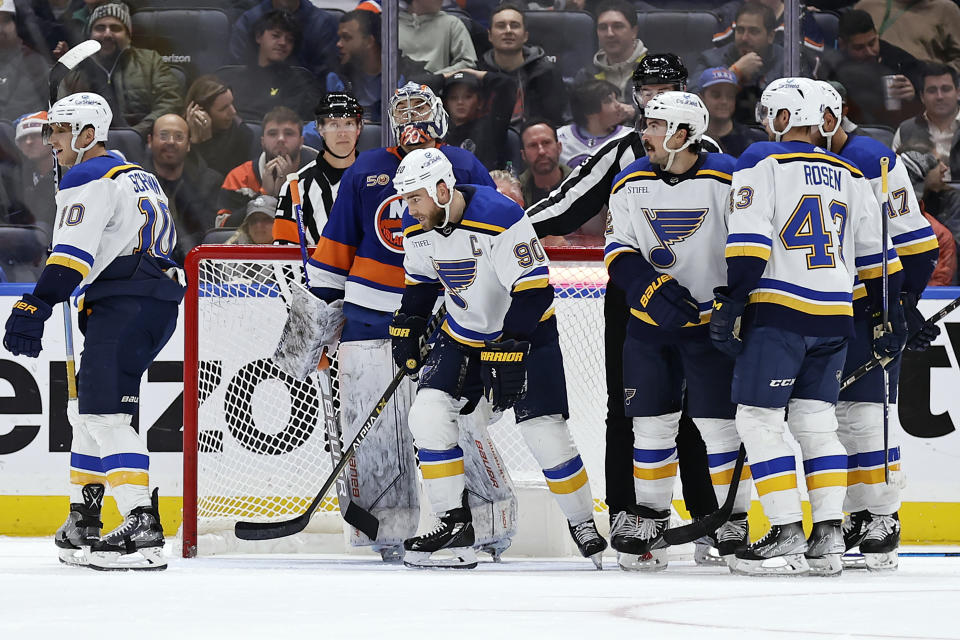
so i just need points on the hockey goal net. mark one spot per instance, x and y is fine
(255, 447)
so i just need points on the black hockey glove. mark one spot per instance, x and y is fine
(889, 341)
(921, 331)
(503, 372)
(24, 329)
(725, 323)
(408, 337)
(667, 302)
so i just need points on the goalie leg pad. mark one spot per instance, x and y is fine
(723, 446)
(490, 492)
(312, 325)
(655, 459)
(382, 476)
(772, 462)
(814, 424)
(552, 445)
(861, 431)
(124, 458)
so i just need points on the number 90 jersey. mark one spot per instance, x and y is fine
(677, 223)
(810, 221)
(489, 255)
(107, 208)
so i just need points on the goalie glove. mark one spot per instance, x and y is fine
(889, 341)
(408, 338)
(921, 331)
(668, 303)
(503, 372)
(725, 323)
(24, 329)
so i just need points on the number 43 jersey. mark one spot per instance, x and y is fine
(485, 262)
(803, 223)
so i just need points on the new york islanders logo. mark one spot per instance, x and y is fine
(456, 276)
(389, 223)
(671, 226)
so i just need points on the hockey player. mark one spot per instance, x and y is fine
(479, 248)
(339, 120)
(113, 238)
(581, 196)
(664, 249)
(801, 218)
(872, 522)
(359, 261)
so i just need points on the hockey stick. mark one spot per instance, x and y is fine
(869, 366)
(709, 524)
(271, 530)
(885, 281)
(64, 65)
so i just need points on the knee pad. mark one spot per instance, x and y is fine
(656, 432)
(811, 417)
(549, 439)
(859, 418)
(759, 423)
(107, 428)
(719, 434)
(433, 419)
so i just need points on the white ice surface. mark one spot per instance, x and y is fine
(333, 597)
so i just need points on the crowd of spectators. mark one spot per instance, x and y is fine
(224, 136)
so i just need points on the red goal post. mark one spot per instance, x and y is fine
(253, 440)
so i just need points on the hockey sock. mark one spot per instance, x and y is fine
(723, 446)
(126, 462)
(861, 429)
(85, 464)
(814, 424)
(550, 442)
(443, 477)
(772, 462)
(655, 459)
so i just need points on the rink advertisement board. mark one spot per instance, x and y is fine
(35, 435)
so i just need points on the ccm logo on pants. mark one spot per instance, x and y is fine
(786, 382)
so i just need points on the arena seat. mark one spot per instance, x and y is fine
(8, 147)
(217, 235)
(257, 130)
(685, 33)
(194, 39)
(513, 151)
(128, 142)
(369, 137)
(829, 23)
(879, 132)
(22, 252)
(570, 36)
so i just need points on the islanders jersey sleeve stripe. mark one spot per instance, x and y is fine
(914, 242)
(71, 257)
(753, 245)
(388, 275)
(333, 256)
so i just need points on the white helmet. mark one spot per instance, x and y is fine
(81, 110)
(423, 169)
(831, 100)
(799, 96)
(417, 115)
(678, 108)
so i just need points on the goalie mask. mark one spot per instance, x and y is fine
(831, 100)
(802, 99)
(417, 115)
(678, 108)
(79, 111)
(424, 169)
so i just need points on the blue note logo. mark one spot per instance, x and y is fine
(671, 226)
(456, 276)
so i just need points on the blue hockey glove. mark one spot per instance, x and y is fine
(921, 331)
(725, 323)
(408, 338)
(503, 372)
(24, 329)
(889, 341)
(667, 302)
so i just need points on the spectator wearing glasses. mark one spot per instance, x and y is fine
(597, 117)
(190, 185)
(273, 81)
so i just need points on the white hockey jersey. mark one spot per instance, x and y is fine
(106, 209)
(810, 218)
(676, 223)
(492, 253)
(578, 145)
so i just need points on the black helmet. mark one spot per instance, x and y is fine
(660, 68)
(338, 105)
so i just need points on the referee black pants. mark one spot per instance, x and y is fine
(618, 465)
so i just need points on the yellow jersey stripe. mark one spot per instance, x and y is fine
(569, 485)
(71, 263)
(118, 169)
(539, 283)
(630, 176)
(442, 470)
(818, 156)
(482, 225)
(841, 309)
(712, 172)
(747, 251)
(929, 244)
(875, 272)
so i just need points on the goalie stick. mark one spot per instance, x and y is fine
(870, 365)
(271, 530)
(64, 65)
(709, 524)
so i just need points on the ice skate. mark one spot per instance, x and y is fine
(825, 547)
(638, 539)
(879, 546)
(452, 539)
(137, 544)
(496, 548)
(854, 529)
(389, 553)
(82, 527)
(779, 553)
(705, 552)
(589, 541)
